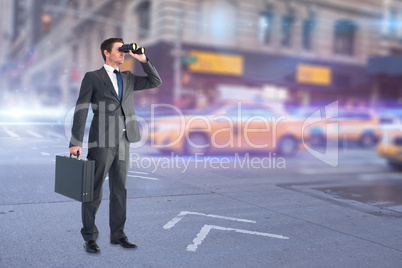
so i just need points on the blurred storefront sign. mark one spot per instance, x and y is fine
(293, 80)
(216, 63)
(189, 60)
(313, 74)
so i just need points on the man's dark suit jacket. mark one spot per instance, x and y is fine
(109, 113)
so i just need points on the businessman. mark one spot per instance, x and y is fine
(109, 92)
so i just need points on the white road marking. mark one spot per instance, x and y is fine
(380, 176)
(148, 178)
(11, 133)
(207, 228)
(36, 135)
(138, 172)
(351, 169)
(141, 177)
(44, 153)
(395, 208)
(64, 153)
(180, 216)
(56, 135)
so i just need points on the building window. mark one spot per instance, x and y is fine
(143, 12)
(308, 29)
(220, 17)
(396, 51)
(344, 40)
(393, 22)
(73, 4)
(265, 28)
(287, 28)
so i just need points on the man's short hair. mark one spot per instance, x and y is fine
(108, 45)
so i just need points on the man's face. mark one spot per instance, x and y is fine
(115, 57)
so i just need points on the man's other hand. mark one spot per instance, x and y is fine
(73, 150)
(141, 57)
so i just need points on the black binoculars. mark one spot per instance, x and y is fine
(133, 47)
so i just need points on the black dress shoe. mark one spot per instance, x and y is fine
(91, 246)
(123, 242)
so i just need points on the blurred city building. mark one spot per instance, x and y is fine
(385, 67)
(296, 52)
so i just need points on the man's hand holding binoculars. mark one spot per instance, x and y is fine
(135, 51)
(141, 57)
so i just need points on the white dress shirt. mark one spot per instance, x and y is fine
(109, 69)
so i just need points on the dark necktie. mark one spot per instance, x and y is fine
(119, 83)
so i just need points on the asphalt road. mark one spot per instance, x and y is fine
(246, 210)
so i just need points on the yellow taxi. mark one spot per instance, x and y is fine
(231, 127)
(390, 147)
(348, 126)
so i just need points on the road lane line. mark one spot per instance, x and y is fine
(36, 135)
(138, 172)
(11, 133)
(314, 171)
(142, 177)
(56, 135)
(380, 176)
(64, 153)
(44, 153)
(148, 178)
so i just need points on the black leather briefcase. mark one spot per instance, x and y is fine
(75, 177)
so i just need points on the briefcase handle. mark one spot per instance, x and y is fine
(78, 154)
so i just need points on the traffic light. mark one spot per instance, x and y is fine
(46, 20)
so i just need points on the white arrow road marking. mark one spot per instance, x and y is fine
(207, 228)
(180, 216)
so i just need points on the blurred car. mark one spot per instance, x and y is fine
(230, 127)
(390, 148)
(389, 122)
(349, 126)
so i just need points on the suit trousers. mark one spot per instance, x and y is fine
(115, 161)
